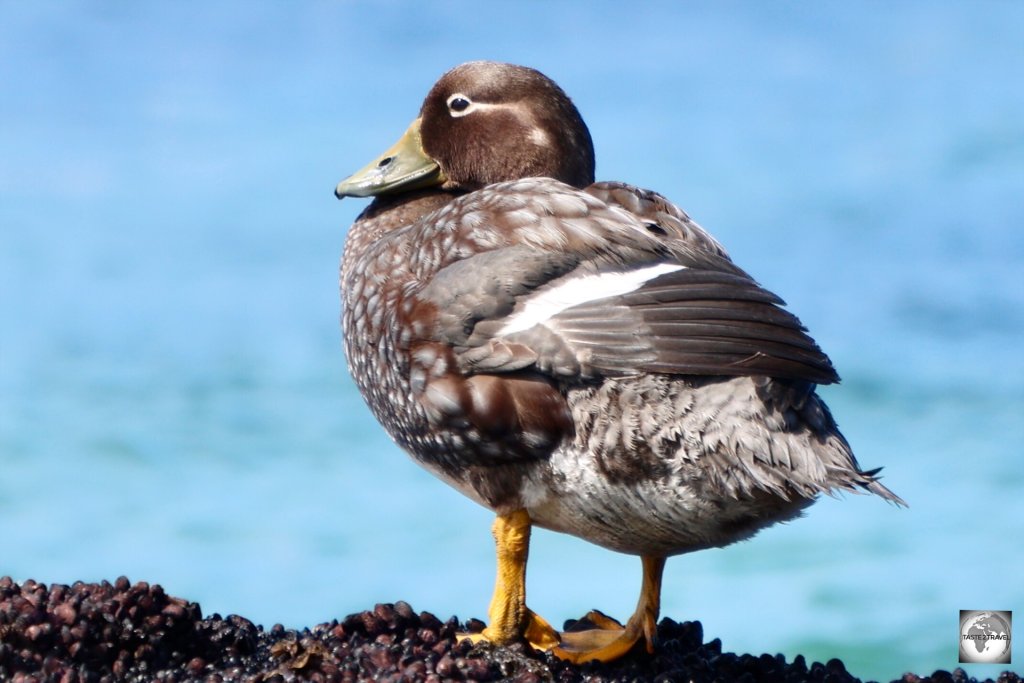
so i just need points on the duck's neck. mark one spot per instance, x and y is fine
(391, 212)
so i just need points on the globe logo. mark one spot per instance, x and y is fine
(985, 637)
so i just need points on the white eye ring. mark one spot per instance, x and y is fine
(460, 105)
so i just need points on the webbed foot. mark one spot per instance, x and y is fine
(606, 640)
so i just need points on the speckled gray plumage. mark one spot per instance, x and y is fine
(677, 412)
(677, 462)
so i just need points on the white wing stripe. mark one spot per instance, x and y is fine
(578, 290)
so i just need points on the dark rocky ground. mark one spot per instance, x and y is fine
(123, 632)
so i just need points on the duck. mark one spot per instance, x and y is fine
(575, 355)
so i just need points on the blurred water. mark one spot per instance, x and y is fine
(173, 399)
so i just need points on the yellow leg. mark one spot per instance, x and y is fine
(510, 619)
(610, 641)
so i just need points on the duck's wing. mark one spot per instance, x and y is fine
(626, 318)
(600, 295)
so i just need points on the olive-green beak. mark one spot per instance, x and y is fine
(405, 166)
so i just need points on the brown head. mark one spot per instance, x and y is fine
(485, 122)
(482, 123)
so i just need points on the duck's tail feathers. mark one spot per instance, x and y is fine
(871, 483)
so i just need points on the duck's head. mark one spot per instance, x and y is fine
(483, 123)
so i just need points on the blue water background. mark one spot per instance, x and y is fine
(174, 404)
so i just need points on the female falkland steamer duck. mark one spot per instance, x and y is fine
(581, 356)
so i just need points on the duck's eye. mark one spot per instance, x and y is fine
(459, 104)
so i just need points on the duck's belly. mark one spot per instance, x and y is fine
(661, 516)
(662, 466)
(659, 466)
